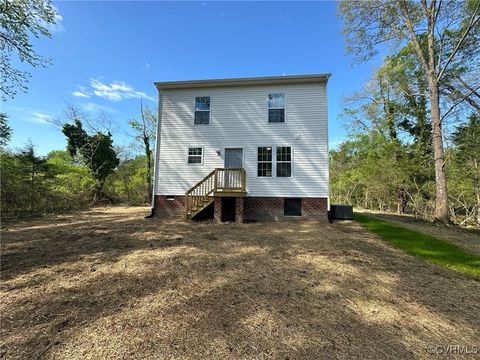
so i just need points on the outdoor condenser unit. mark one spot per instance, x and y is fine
(341, 212)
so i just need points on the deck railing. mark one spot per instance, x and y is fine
(219, 180)
(230, 180)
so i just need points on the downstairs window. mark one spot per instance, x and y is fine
(195, 155)
(264, 165)
(292, 207)
(284, 161)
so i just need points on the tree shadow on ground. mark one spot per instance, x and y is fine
(122, 286)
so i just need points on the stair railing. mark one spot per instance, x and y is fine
(219, 180)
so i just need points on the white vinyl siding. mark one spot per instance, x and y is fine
(238, 120)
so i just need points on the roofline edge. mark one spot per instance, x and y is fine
(308, 78)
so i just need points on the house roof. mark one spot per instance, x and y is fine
(266, 80)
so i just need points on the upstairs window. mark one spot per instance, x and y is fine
(264, 167)
(284, 161)
(202, 110)
(195, 155)
(276, 108)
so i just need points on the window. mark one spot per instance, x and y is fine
(283, 165)
(292, 207)
(276, 108)
(264, 168)
(202, 110)
(284, 161)
(195, 155)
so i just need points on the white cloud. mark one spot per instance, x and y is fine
(39, 118)
(92, 107)
(146, 66)
(58, 25)
(79, 93)
(116, 91)
(82, 92)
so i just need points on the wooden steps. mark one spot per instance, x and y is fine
(220, 182)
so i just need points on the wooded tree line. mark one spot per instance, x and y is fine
(374, 171)
(90, 171)
(414, 139)
(414, 127)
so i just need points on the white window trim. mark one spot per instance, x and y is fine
(291, 162)
(256, 165)
(284, 106)
(195, 164)
(274, 162)
(195, 110)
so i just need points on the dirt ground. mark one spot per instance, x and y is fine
(109, 284)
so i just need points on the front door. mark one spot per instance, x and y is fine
(233, 160)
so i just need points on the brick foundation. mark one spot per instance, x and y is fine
(316, 208)
(247, 208)
(217, 209)
(169, 207)
(271, 208)
(239, 209)
(263, 208)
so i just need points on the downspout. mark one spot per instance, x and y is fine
(157, 155)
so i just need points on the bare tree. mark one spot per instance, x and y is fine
(145, 131)
(94, 122)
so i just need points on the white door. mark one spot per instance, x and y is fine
(233, 160)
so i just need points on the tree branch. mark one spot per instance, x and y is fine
(438, 10)
(464, 97)
(468, 87)
(413, 39)
(471, 24)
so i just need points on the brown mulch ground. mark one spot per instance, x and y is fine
(109, 284)
(468, 239)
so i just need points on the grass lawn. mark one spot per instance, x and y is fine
(430, 248)
(109, 284)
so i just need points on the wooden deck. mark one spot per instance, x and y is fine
(220, 182)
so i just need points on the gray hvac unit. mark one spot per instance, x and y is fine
(341, 212)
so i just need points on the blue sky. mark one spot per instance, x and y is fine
(108, 54)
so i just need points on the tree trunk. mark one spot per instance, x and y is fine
(98, 192)
(441, 195)
(477, 189)
(32, 188)
(148, 153)
(401, 201)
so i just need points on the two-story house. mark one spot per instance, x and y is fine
(243, 149)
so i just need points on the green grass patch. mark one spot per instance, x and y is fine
(427, 247)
